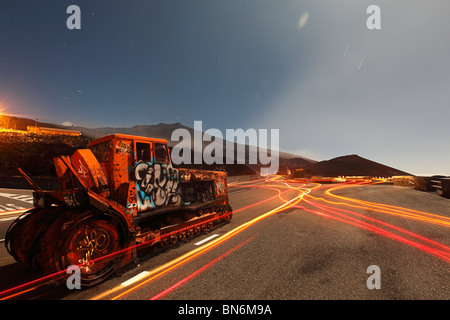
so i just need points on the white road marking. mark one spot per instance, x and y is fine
(10, 207)
(135, 278)
(19, 197)
(8, 219)
(206, 240)
(23, 198)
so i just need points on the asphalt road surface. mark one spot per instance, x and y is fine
(287, 240)
(12, 202)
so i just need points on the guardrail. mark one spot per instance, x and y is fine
(436, 184)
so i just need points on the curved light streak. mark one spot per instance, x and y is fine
(155, 273)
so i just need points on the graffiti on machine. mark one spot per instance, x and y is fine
(157, 185)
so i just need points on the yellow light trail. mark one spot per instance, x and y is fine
(332, 214)
(45, 279)
(345, 216)
(384, 208)
(163, 269)
(13, 212)
(155, 273)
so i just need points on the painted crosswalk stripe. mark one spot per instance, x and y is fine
(10, 207)
(206, 239)
(22, 198)
(19, 197)
(8, 219)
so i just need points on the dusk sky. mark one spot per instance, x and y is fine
(311, 69)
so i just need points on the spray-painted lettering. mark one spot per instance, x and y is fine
(157, 185)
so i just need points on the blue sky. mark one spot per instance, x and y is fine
(332, 87)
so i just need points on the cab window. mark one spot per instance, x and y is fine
(161, 152)
(143, 152)
(101, 151)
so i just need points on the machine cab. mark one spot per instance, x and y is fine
(139, 171)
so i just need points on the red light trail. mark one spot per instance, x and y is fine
(347, 216)
(207, 247)
(26, 287)
(355, 214)
(334, 214)
(199, 271)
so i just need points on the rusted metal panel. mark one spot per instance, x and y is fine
(65, 178)
(89, 171)
(126, 188)
(121, 162)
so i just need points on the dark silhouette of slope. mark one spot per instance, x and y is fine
(160, 131)
(352, 165)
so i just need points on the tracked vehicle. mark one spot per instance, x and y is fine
(119, 194)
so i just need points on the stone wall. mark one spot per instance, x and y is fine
(403, 181)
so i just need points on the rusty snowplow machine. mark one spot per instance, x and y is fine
(120, 193)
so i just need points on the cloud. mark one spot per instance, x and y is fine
(302, 20)
(67, 123)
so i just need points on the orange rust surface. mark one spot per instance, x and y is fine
(63, 173)
(126, 136)
(88, 169)
(138, 185)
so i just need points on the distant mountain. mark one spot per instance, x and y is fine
(350, 165)
(160, 131)
(164, 131)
